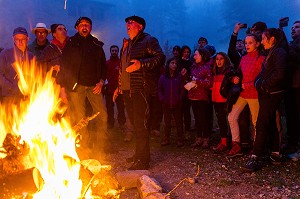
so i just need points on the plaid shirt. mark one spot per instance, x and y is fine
(250, 66)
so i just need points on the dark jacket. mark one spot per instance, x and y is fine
(82, 56)
(171, 90)
(147, 50)
(37, 49)
(233, 54)
(50, 57)
(8, 76)
(272, 78)
(294, 63)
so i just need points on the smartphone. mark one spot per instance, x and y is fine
(244, 25)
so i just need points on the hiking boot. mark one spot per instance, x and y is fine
(198, 142)
(220, 148)
(205, 144)
(236, 150)
(252, 164)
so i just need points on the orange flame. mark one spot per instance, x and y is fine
(49, 141)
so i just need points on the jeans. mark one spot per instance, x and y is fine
(137, 108)
(266, 129)
(78, 111)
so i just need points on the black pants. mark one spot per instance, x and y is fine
(267, 137)
(187, 112)
(292, 107)
(201, 110)
(110, 109)
(176, 112)
(138, 112)
(222, 118)
(155, 113)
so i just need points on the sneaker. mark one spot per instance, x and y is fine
(236, 150)
(220, 148)
(276, 158)
(294, 156)
(198, 142)
(180, 143)
(155, 133)
(252, 164)
(139, 165)
(165, 142)
(205, 144)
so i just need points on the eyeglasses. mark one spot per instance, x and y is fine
(20, 40)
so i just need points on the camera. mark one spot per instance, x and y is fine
(244, 25)
(283, 22)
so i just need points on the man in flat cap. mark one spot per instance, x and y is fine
(82, 75)
(141, 59)
(41, 33)
(18, 54)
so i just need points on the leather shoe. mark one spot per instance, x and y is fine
(138, 165)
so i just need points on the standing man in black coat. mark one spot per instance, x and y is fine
(82, 75)
(141, 59)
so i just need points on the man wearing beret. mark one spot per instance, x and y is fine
(18, 54)
(82, 74)
(141, 59)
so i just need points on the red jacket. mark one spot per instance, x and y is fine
(216, 96)
(112, 66)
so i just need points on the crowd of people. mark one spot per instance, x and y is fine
(245, 91)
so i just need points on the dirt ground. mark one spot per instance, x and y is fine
(219, 177)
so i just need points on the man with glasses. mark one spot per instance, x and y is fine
(141, 60)
(39, 44)
(18, 54)
(82, 75)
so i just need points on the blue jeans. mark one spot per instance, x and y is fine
(78, 111)
(137, 108)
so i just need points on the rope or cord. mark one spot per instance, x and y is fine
(189, 179)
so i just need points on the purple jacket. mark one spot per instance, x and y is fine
(170, 90)
(204, 81)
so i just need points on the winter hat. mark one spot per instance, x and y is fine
(20, 30)
(54, 26)
(80, 19)
(137, 19)
(259, 26)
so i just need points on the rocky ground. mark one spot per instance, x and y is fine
(218, 177)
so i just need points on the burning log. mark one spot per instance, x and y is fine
(27, 181)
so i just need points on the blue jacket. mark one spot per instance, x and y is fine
(171, 90)
(8, 75)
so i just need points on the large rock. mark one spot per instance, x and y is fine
(148, 186)
(129, 179)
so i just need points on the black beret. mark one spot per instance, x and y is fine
(80, 19)
(137, 19)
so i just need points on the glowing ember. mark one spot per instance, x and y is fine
(50, 139)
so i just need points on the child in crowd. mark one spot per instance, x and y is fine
(171, 93)
(221, 65)
(250, 67)
(199, 94)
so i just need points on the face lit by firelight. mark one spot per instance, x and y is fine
(197, 57)
(21, 41)
(84, 28)
(220, 60)
(133, 28)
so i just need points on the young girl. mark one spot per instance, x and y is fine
(170, 93)
(199, 95)
(250, 67)
(221, 65)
